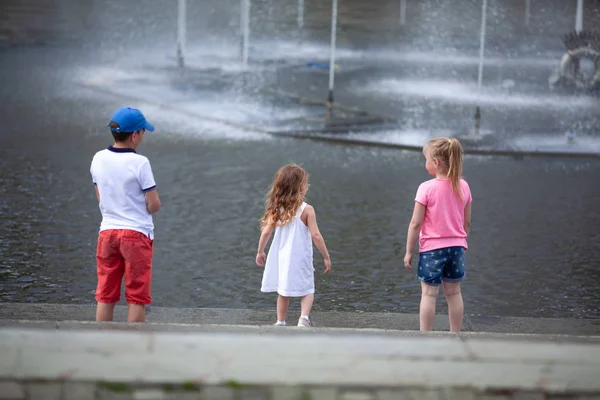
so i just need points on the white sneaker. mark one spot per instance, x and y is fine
(280, 323)
(305, 323)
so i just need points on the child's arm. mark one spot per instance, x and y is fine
(148, 186)
(265, 235)
(317, 237)
(413, 232)
(467, 225)
(152, 201)
(97, 193)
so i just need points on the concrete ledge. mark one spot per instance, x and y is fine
(435, 362)
(324, 319)
(289, 330)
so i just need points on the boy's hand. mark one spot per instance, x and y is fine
(408, 261)
(327, 265)
(261, 258)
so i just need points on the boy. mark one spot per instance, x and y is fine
(127, 197)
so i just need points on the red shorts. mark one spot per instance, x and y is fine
(124, 252)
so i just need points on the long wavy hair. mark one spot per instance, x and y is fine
(450, 154)
(285, 196)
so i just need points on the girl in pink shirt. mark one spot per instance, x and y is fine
(441, 221)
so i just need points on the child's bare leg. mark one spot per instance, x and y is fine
(282, 307)
(306, 304)
(136, 313)
(104, 311)
(427, 310)
(455, 305)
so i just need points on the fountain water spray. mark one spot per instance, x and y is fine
(242, 6)
(579, 16)
(403, 12)
(300, 14)
(480, 74)
(334, 13)
(245, 31)
(181, 28)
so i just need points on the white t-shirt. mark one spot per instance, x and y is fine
(122, 177)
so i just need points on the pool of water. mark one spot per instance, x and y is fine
(534, 244)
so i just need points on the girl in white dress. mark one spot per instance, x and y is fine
(289, 266)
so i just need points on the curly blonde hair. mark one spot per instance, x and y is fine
(285, 196)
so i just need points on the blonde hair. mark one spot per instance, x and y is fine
(285, 196)
(449, 153)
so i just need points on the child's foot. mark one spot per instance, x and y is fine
(304, 322)
(280, 323)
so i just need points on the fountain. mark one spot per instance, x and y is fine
(480, 70)
(245, 12)
(325, 86)
(581, 46)
(181, 28)
(332, 53)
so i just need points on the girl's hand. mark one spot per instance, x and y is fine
(408, 261)
(327, 265)
(261, 258)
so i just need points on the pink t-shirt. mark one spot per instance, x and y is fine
(443, 225)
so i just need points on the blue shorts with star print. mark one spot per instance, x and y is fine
(446, 264)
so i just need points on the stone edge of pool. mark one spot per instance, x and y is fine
(65, 316)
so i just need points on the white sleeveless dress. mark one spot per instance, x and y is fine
(289, 268)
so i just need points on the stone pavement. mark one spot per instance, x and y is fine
(303, 364)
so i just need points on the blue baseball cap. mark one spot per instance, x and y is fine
(130, 120)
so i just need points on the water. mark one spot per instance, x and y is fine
(461, 92)
(534, 242)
